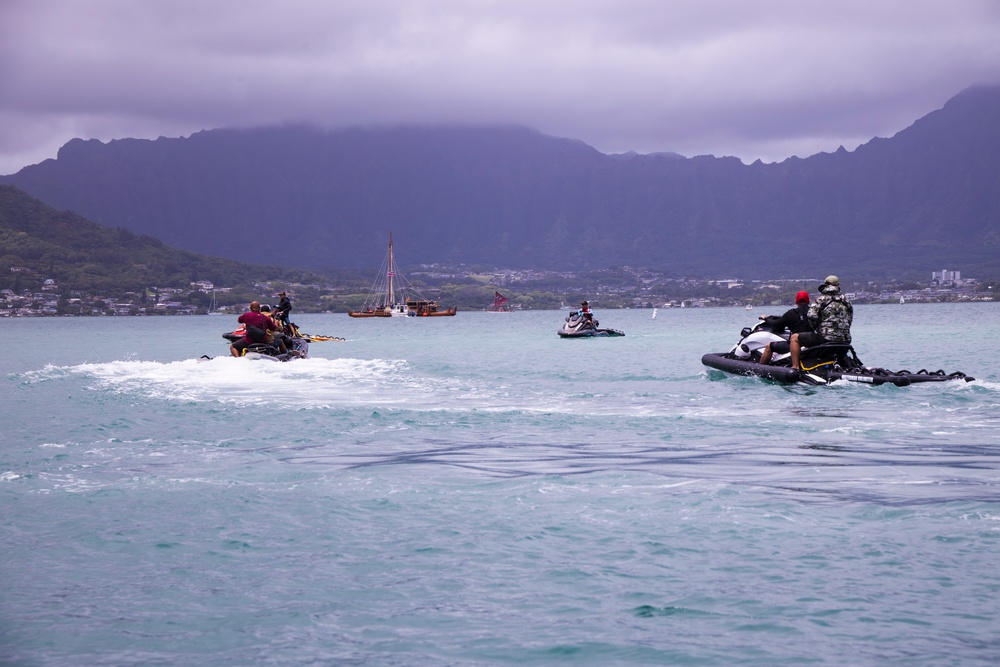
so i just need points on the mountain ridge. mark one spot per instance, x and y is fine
(927, 197)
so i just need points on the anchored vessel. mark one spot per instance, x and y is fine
(388, 296)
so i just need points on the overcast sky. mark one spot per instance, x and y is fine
(752, 78)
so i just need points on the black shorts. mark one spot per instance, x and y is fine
(780, 346)
(810, 339)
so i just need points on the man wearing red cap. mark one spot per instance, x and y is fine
(794, 320)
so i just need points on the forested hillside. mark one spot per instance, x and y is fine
(37, 243)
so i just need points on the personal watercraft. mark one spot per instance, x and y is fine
(296, 344)
(297, 347)
(583, 325)
(821, 364)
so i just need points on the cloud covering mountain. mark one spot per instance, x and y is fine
(509, 196)
(765, 79)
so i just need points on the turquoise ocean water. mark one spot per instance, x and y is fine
(476, 491)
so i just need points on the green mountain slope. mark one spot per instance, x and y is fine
(37, 242)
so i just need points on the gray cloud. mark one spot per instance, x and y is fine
(765, 79)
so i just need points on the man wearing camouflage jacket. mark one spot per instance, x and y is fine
(830, 315)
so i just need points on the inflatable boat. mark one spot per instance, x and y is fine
(818, 365)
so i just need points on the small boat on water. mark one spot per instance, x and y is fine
(501, 304)
(388, 296)
(583, 325)
(818, 365)
(296, 344)
(425, 308)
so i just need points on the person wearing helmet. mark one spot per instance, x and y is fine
(830, 315)
(795, 320)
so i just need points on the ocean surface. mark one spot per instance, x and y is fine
(477, 491)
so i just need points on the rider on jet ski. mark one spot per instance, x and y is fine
(795, 320)
(587, 316)
(831, 316)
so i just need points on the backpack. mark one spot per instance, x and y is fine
(256, 334)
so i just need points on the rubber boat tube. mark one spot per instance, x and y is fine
(723, 362)
(590, 333)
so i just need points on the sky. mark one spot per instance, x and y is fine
(755, 79)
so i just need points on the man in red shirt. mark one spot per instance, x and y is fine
(252, 319)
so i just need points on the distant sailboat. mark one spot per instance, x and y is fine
(654, 314)
(500, 304)
(213, 306)
(901, 299)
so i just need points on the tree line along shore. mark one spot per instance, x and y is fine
(468, 290)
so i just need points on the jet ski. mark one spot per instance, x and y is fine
(297, 347)
(583, 325)
(818, 365)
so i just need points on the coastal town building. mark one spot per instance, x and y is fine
(945, 276)
(621, 287)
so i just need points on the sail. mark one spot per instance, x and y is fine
(500, 303)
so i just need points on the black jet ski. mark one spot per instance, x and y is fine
(297, 347)
(583, 325)
(821, 364)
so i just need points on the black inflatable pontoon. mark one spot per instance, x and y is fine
(822, 364)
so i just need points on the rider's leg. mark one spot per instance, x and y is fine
(765, 356)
